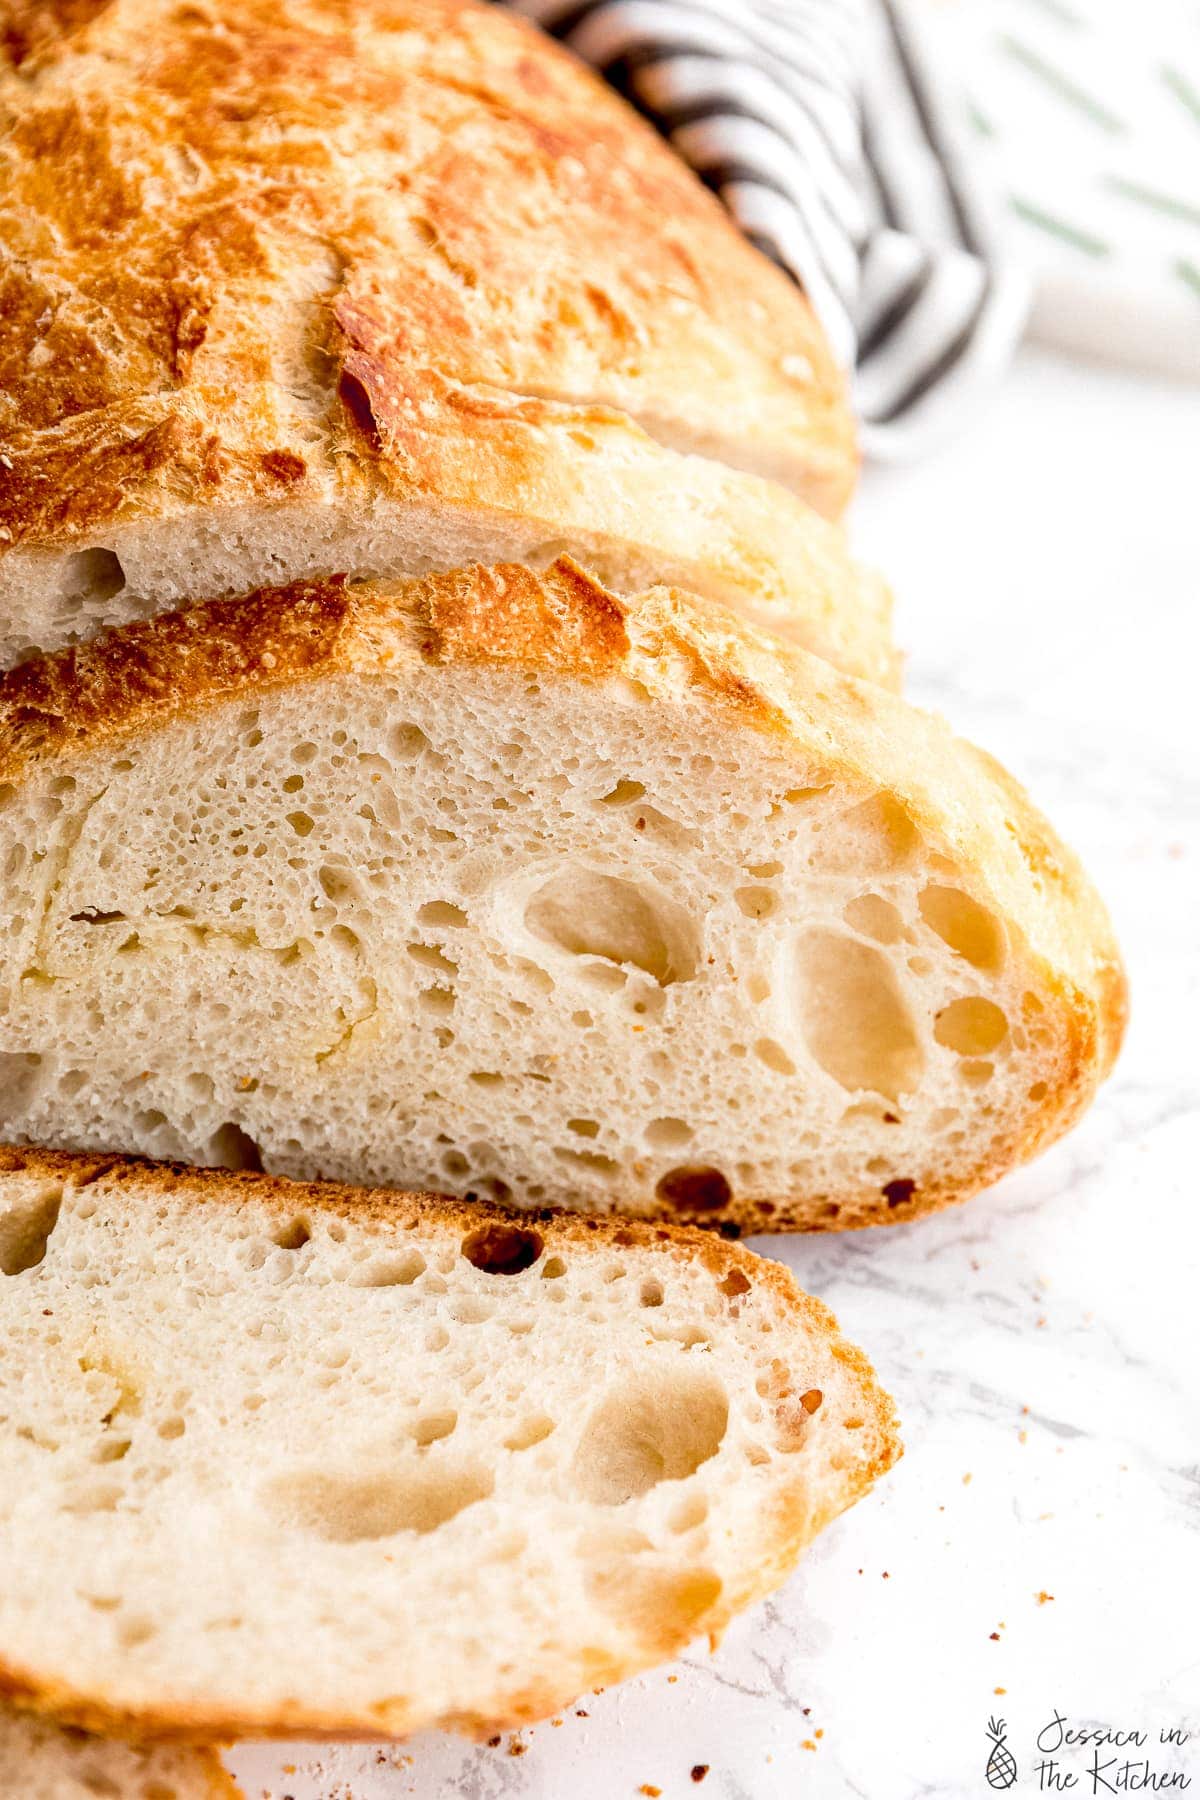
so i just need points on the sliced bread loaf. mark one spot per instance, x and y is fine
(500, 884)
(287, 1459)
(288, 295)
(43, 1761)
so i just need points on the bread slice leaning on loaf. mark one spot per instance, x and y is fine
(291, 295)
(290, 1459)
(498, 883)
(43, 1761)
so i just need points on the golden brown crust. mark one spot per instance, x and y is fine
(98, 1764)
(257, 250)
(793, 1525)
(566, 624)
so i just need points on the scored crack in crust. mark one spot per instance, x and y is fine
(777, 949)
(520, 1455)
(383, 289)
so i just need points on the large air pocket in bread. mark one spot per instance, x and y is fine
(498, 883)
(280, 1459)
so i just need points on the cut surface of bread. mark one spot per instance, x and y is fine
(293, 290)
(43, 1761)
(282, 1459)
(500, 884)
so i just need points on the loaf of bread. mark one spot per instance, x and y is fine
(284, 1459)
(294, 291)
(43, 1761)
(500, 884)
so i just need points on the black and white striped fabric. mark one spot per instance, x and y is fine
(818, 124)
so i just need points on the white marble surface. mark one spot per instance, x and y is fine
(1044, 1340)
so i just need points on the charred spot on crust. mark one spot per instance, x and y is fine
(500, 1249)
(695, 1188)
(899, 1193)
(283, 465)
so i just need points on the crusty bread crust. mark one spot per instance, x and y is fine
(458, 192)
(794, 1524)
(963, 804)
(399, 266)
(39, 1760)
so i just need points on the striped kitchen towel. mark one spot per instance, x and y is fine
(820, 126)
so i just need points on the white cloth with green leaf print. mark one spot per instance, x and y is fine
(1085, 116)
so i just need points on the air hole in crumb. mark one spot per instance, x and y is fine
(650, 1430)
(969, 928)
(689, 1513)
(876, 834)
(774, 1056)
(696, 1188)
(756, 902)
(502, 1249)
(663, 1607)
(132, 1632)
(94, 574)
(440, 912)
(1038, 1091)
(623, 794)
(899, 1192)
(587, 913)
(393, 1270)
(292, 1236)
(553, 1268)
(433, 1427)
(668, 1134)
(856, 1022)
(174, 1427)
(587, 1128)
(338, 885)
(971, 1026)
(875, 917)
(530, 1432)
(407, 742)
(25, 1229)
(734, 1283)
(351, 1509)
(232, 1148)
(651, 1292)
(430, 957)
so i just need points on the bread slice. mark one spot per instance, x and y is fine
(43, 1761)
(498, 883)
(288, 296)
(290, 1459)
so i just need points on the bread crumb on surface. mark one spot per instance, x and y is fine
(1042, 1596)
(699, 1771)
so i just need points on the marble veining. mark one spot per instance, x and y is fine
(1037, 1551)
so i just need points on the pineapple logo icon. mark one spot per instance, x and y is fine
(1001, 1764)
